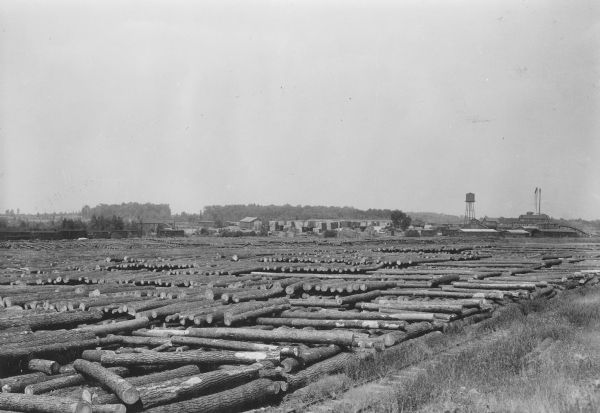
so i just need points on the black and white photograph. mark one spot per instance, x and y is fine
(300, 206)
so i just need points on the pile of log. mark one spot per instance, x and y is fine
(172, 336)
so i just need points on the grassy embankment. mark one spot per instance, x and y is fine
(545, 357)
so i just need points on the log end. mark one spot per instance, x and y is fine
(130, 396)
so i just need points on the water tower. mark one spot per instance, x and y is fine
(469, 208)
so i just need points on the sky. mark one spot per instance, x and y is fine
(372, 104)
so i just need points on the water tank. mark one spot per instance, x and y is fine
(470, 197)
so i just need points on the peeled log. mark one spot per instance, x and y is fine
(121, 387)
(339, 315)
(342, 338)
(310, 374)
(330, 324)
(225, 401)
(495, 286)
(189, 357)
(42, 404)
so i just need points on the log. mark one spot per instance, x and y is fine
(53, 348)
(231, 345)
(495, 286)
(351, 299)
(265, 310)
(290, 365)
(169, 391)
(42, 404)
(339, 315)
(109, 408)
(62, 381)
(121, 387)
(118, 327)
(257, 295)
(330, 324)
(313, 373)
(48, 321)
(423, 306)
(209, 358)
(312, 355)
(342, 338)
(226, 401)
(45, 366)
(16, 384)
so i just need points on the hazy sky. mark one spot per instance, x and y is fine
(372, 104)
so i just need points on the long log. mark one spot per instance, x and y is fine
(431, 307)
(351, 299)
(170, 391)
(265, 310)
(63, 381)
(210, 358)
(342, 338)
(226, 401)
(315, 354)
(338, 315)
(231, 345)
(495, 286)
(54, 320)
(311, 374)
(121, 387)
(42, 404)
(330, 324)
(118, 327)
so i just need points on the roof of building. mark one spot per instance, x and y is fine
(517, 231)
(485, 230)
(249, 219)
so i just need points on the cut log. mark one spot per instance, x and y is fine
(169, 391)
(231, 345)
(209, 358)
(121, 387)
(62, 381)
(330, 324)
(311, 355)
(311, 374)
(42, 404)
(339, 315)
(226, 401)
(45, 366)
(265, 310)
(351, 299)
(342, 338)
(118, 327)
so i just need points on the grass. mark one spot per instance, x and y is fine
(505, 376)
(545, 357)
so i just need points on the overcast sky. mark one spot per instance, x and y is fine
(372, 104)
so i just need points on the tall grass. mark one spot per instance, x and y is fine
(499, 376)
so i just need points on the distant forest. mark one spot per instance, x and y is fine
(129, 212)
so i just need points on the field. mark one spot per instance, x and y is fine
(210, 324)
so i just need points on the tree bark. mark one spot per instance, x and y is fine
(343, 338)
(189, 357)
(121, 387)
(232, 400)
(42, 404)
